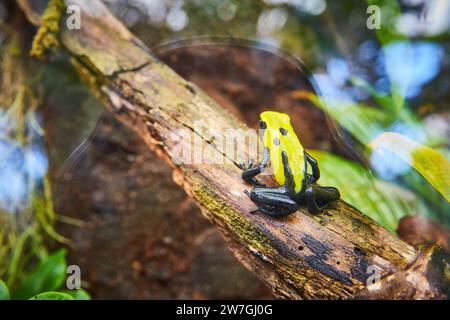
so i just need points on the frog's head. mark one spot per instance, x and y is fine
(275, 126)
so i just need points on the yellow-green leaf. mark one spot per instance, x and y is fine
(432, 165)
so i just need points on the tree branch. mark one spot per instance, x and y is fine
(300, 256)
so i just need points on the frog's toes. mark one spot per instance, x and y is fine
(247, 166)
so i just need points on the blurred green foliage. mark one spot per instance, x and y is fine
(45, 282)
(48, 275)
(384, 202)
(27, 215)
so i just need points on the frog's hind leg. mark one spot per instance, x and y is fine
(274, 202)
(318, 198)
(274, 211)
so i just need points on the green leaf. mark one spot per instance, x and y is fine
(79, 294)
(392, 103)
(48, 276)
(384, 202)
(4, 292)
(432, 165)
(362, 121)
(434, 200)
(52, 296)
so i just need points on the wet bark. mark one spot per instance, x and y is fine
(327, 256)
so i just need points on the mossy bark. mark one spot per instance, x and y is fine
(301, 256)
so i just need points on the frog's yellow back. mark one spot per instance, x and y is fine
(280, 136)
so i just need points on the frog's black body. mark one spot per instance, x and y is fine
(283, 200)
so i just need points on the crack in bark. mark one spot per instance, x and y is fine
(116, 73)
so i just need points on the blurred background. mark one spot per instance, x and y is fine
(77, 188)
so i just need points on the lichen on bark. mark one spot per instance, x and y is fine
(46, 37)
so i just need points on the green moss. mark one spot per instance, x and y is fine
(47, 34)
(92, 77)
(244, 229)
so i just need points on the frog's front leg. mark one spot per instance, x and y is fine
(314, 167)
(318, 198)
(274, 202)
(251, 171)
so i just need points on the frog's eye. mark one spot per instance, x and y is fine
(283, 131)
(262, 124)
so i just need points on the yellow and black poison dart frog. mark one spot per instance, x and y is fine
(290, 166)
